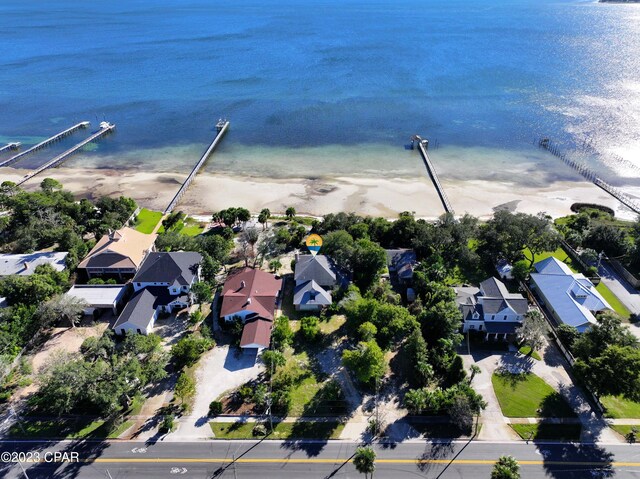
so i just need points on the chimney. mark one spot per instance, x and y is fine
(248, 300)
(242, 284)
(26, 265)
(297, 256)
(111, 236)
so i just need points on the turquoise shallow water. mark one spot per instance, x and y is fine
(319, 79)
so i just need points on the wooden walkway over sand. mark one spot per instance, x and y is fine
(222, 126)
(422, 147)
(45, 143)
(105, 127)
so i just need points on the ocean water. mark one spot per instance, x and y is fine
(329, 87)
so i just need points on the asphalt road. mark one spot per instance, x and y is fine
(277, 459)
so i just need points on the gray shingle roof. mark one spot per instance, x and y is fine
(319, 268)
(500, 327)
(311, 293)
(173, 268)
(139, 310)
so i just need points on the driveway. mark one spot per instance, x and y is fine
(221, 369)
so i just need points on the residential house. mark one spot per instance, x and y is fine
(251, 295)
(25, 264)
(119, 253)
(491, 309)
(162, 285)
(401, 263)
(570, 297)
(315, 276)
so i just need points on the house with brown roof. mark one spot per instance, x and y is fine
(118, 253)
(251, 295)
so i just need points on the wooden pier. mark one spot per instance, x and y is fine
(589, 174)
(105, 127)
(10, 146)
(423, 145)
(222, 126)
(45, 143)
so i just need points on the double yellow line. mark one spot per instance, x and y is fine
(470, 462)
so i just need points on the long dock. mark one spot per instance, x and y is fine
(45, 143)
(222, 127)
(422, 147)
(589, 174)
(10, 146)
(105, 127)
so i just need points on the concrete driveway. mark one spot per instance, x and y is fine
(221, 369)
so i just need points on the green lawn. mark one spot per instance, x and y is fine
(619, 407)
(623, 429)
(58, 429)
(613, 300)
(560, 254)
(147, 220)
(527, 350)
(548, 432)
(282, 430)
(527, 395)
(441, 431)
(114, 434)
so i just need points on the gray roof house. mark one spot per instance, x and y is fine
(570, 297)
(491, 309)
(25, 264)
(314, 276)
(401, 263)
(162, 284)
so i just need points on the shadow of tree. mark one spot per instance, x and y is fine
(576, 461)
(87, 451)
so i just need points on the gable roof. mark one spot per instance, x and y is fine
(256, 332)
(178, 268)
(496, 297)
(319, 268)
(250, 289)
(311, 293)
(571, 295)
(140, 309)
(124, 248)
(25, 264)
(402, 261)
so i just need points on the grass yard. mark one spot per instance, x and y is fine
(618, 407)
(67, 429)
(147, 220)
(613, 300)
(560, 254)
(441, 431)
(526, 350)
(281, 430)
(115, 434)
(548, 432)
(527, 395)
(624, 429)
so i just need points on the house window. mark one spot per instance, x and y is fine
(480, 328)
(504, 317)
(493, 316)
(471, 326)
(138, 284)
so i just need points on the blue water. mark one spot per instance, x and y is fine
(290, 74)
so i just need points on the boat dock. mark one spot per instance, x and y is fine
(45, 143)
(423, 145)
(105, 127)
(589, 174)
(10, 146)
(222, 126)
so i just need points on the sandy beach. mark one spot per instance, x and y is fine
(368, 196)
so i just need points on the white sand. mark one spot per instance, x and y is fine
(370, 196)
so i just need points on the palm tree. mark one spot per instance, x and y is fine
(263, 217)
(275, 265)
(290, 212)
(475, 369)
(364, 460)
(506, 468)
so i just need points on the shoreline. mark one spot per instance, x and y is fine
(366, 196)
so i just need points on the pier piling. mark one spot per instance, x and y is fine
(105, 127)
(222, 126)
(45, 143)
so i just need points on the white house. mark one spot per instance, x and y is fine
(491, 309)
(162, 285)
(570, 297)
(314, 277)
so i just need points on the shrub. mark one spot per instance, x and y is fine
(188, 350)
(167, 424)
(309, 327)
(259, 430)
(246, 393)
(367, 331)
(215, 408)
